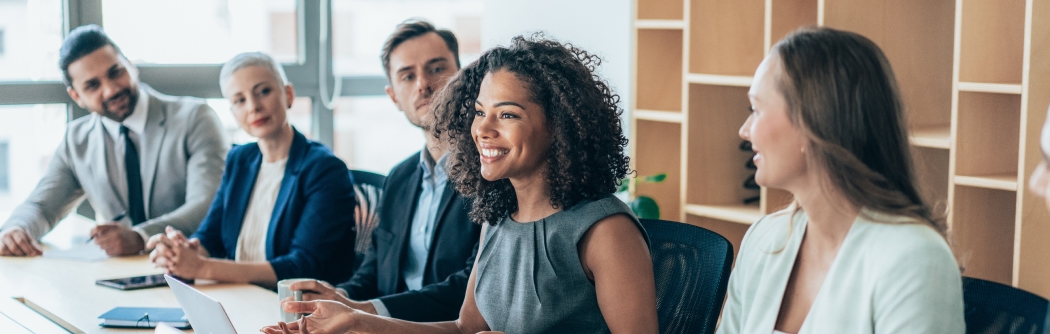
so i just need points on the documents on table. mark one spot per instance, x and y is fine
(82, 252)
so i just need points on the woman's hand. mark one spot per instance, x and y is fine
(179, 256)
(327, 317)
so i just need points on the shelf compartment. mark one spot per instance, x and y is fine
(936, 136)
(720, 80)
(716, 165)
(992, 41)
(981, 87)
(658, 116)
(987, 134)
(788, 15)
(732, 231)
(658, 149)
(660, 9)
(741, 214)
(931, 175)
(983, 224)
(1001, 182)
(726, 37)
(659, 24)
(659, 66)
(918, 38)
(774, 200)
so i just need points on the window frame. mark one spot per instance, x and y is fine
(202, 80)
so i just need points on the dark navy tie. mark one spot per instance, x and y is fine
(136, 211)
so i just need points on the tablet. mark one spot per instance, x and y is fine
(133, 283)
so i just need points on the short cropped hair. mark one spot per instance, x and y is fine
(249, 59)
(82, 41)
(413, 28)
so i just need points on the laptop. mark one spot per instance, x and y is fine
(206, 315)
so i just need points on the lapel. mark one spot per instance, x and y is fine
(96, 151)
(296, 155)
(446, 201)
(240, 192)
(152, 140)
(401, 221)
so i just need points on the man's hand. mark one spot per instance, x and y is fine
(321, 290)
(117, 239)
(15, 241)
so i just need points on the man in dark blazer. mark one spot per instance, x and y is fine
(423, 249)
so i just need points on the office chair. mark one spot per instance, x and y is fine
(691, 266)
(368, 188)
(992, 307)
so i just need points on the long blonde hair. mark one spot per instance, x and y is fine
(842, 93)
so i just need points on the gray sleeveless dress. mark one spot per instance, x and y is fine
(529, 277)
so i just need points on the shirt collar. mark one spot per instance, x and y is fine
(136, 122)
(430, 167)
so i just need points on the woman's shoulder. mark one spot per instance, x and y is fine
(602, 204)
(319, 156)
(901, 236)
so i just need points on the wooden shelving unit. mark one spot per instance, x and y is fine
(974, 98)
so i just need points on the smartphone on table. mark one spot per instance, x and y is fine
(137, 282)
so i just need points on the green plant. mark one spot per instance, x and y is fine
(643, 206)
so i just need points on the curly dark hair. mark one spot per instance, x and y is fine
(586, 158)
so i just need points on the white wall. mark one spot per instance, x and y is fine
(602, 27)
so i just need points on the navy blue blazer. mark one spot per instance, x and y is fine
(311, 232)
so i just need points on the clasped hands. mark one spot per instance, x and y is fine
(177, 255)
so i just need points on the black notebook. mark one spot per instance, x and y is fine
(144, 317)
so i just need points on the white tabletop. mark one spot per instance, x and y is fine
(66, 288)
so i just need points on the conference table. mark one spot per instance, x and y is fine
(49, 290)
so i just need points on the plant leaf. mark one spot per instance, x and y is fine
(656, 178)
(645, 208)
(624, 185)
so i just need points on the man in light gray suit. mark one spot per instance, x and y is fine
(144, 160)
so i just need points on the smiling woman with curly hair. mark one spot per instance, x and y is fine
(536, 141)
(585, 158)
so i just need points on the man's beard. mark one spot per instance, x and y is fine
(121, 115)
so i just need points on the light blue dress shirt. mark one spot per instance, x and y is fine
(421, 234)
(422, 231)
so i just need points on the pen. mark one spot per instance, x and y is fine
(116, 218)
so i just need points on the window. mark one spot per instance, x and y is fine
(30, 34)
(359, 28)
(371, 134)
(202, 31)
(29, 135)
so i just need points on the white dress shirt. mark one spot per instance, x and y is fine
(136, 124)
(251, 243)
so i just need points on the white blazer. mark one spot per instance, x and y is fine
(890, 276)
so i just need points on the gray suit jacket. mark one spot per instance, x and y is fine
(183, 153)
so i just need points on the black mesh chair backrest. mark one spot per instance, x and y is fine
(998, 308)
(691, 266)
(368, 188)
